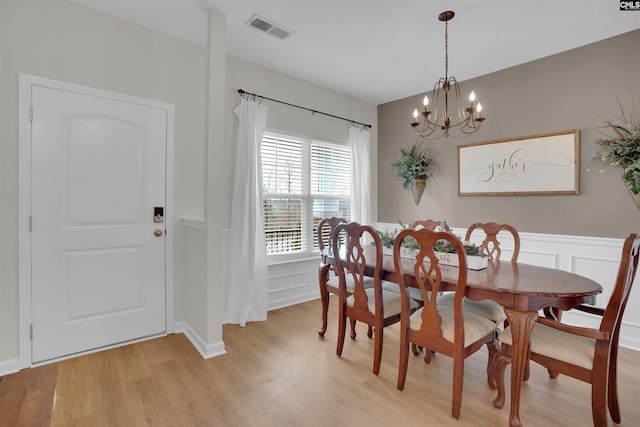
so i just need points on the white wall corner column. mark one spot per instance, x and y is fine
(215, 203)
(194, 324)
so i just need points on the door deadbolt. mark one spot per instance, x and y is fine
(158, 214)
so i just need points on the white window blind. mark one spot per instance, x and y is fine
(304, 180)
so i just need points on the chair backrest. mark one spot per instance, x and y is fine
(431, 224)
(491, 245)
(352, 252)
(612, 318)
(325, 232)
(428, 274)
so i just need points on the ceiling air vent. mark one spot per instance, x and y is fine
(269, 27)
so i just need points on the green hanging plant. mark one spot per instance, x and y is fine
(413, 164)
(621, 147)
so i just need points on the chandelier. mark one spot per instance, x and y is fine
(442, 121)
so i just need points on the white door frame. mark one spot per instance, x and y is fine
(24, 203)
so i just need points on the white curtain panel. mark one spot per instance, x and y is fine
(361, 177)
(246, 282)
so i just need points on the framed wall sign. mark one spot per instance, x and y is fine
(536, 164)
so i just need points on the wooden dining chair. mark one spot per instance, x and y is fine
(327, 279)
(587, 354)
(491, 310)
(448, 331)
(323, 232)
(431, 224)
(370, 305)
(327, 276)
(415, 293)
(490, 244)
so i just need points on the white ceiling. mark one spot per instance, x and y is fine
(383, 50)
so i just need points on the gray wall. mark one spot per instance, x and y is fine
(571, 90)
(60, 40)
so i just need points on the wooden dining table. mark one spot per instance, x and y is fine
(523, 290)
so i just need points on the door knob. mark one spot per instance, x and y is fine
(157, 232)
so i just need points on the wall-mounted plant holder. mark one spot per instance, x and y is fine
(631, 187)
(414, 167)
(417, 188)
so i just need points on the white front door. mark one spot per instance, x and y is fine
(98, 194)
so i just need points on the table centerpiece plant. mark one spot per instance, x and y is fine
(476, 259)
(387, 238)
(621, 147)
(471, 249)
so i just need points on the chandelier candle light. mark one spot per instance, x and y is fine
(434, 124)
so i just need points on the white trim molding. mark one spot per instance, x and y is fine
(207, 351)
(9, 366)
(26, 82)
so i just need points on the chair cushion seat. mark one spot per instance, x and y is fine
(335, 282)
(559, 345)
(391, 302)
(488, 309)
(414, 293)
(475, 326)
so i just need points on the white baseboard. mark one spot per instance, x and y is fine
(293, 300)
(629, 336)
(9, 366)
(206, 350)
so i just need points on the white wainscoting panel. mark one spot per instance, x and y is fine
(293, 282)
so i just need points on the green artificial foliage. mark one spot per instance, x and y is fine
(622, 146)
(470, 248)
(387, 238)
(412, 164)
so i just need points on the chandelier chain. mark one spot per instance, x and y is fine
(446, 50)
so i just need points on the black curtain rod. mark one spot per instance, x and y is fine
(242, 92)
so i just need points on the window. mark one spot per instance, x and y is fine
(303, 181)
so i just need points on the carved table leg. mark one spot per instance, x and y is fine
(522, 324)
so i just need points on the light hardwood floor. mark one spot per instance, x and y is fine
(279, 373)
